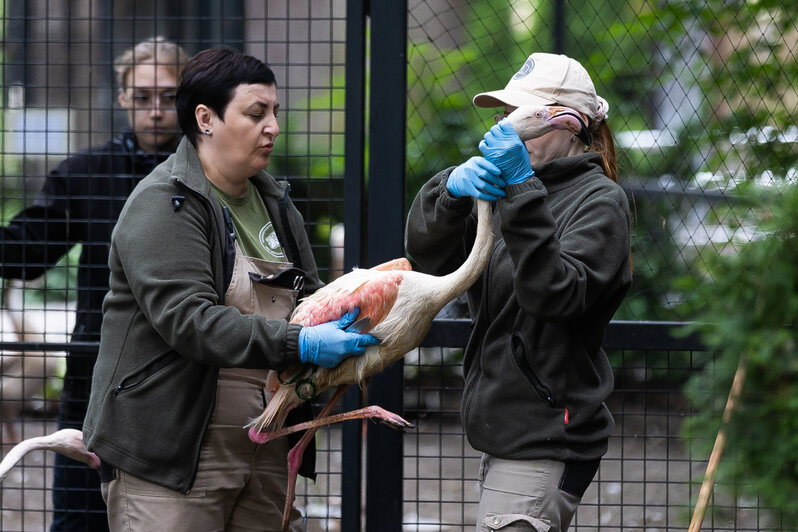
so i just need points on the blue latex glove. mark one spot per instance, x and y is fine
(327, 344)
(502, 146)
(477, 177)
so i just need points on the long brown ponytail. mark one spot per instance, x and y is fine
(604, 145)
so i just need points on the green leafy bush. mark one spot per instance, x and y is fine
(751, 313)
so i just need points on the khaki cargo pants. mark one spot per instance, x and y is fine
(530, 495)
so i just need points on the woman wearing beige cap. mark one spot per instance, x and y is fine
(536, 376)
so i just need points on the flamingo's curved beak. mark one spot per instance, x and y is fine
(566, 118)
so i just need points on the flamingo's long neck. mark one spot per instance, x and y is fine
(455, 283)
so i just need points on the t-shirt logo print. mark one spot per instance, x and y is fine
(528, 66)
(268, 239)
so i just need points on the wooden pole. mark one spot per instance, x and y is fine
(717, 450)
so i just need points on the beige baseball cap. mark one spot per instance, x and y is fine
(546, 79)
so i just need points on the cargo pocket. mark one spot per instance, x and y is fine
(512, 522)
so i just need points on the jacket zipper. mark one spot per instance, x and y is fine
(477, 362)
(228, 220)
(519, 353)
(148, 370)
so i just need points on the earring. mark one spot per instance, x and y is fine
(207, 131)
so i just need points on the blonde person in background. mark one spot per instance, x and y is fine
(80, 202)
(536, 376)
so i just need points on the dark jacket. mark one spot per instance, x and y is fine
(536, 376)
(166, 330)
(80, 202)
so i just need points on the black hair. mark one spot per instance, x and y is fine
(210, 78)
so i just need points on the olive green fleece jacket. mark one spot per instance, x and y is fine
(536, 376)
(166, 330)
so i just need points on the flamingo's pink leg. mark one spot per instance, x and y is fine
(295, 455)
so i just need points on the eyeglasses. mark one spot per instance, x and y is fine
(148, 99)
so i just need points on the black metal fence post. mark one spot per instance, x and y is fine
(354, 201)
(386, 195)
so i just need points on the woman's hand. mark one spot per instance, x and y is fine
(328, 344)
(478, 178)
(503, 147)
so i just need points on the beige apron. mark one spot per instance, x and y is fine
(270, 289)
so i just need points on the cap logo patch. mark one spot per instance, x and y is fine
(528, 66)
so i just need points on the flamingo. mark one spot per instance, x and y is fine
(397, 305)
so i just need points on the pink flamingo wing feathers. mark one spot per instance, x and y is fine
(374, 297)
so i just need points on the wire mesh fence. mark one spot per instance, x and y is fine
(702, 100)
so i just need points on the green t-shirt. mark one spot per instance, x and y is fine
(253, 225)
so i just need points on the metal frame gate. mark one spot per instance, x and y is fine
(383, 230)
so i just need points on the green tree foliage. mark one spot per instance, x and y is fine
(745, 292)
(751, 313)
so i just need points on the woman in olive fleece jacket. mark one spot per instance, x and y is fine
(150, 402)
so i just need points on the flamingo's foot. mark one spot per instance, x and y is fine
(379, 414)
(375, 413)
